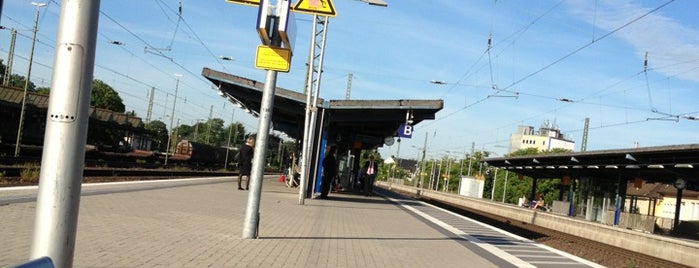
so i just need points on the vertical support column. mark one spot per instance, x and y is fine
(58, 199)
(571, 196)
(315, 66)
(589, 198)
(619, 200)
(319, 153)
(678, 205)
(532, 197)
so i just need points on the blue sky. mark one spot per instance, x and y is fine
(589, 52)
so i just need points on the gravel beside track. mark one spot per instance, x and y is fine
(600, 253)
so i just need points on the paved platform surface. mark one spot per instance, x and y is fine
(198, 223)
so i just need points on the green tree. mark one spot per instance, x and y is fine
(517, 187)
(18, 81)
(15, 79)
(212, 132)
(184, 132)
(159, 135)
(526, 151)
(104, 96)
(43, 90)
(237, 134)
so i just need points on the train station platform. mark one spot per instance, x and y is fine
(198, 223)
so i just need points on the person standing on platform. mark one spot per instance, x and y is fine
(369, 171)
(245, 154)
(329, 172)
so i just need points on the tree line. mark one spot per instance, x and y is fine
(212, 131)
(508, 186)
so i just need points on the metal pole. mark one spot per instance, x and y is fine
(504, 189)
(172, 117)
(492, 191)
(18, 141)
(307, 122)
(314, 111)
(439, 175)
(230, 131)
(397, 165)
(58, 198)
(446, 180)
(318, 150)
(252, 210)
(208, 130)
(10, 58)
(470, 158)
(422, 162)
(461, 169)
(432, 175)
(252, 215)
(311, 107)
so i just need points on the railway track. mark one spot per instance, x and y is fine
(597, 252)
(13, 175)
(607, 255)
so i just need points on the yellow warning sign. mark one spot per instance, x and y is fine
(317, 7)
(273, 58)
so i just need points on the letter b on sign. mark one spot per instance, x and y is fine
(405, 131)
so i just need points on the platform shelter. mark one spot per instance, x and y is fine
(351, 125)
(605, 175)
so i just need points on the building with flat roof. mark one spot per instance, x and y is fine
(548, 137)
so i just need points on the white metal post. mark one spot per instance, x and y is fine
(252, 211)
(492, 191)
(58, 199)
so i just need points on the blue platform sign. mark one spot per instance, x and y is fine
(405, 131)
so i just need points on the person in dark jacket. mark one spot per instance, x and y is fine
(369, 171)
(245, 154)
(329, 172)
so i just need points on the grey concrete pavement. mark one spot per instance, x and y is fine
(200, 225)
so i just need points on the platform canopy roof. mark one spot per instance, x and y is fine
(364, 122)
(657, 164)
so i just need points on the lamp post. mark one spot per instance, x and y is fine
(18, 141)
(172, 117)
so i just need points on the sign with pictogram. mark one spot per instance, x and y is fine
(273, 58)
(316, 7)
(244, 2)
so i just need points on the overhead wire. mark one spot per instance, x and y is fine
(40, 41)
(575, 51)
(561, 59)
(564, 57)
